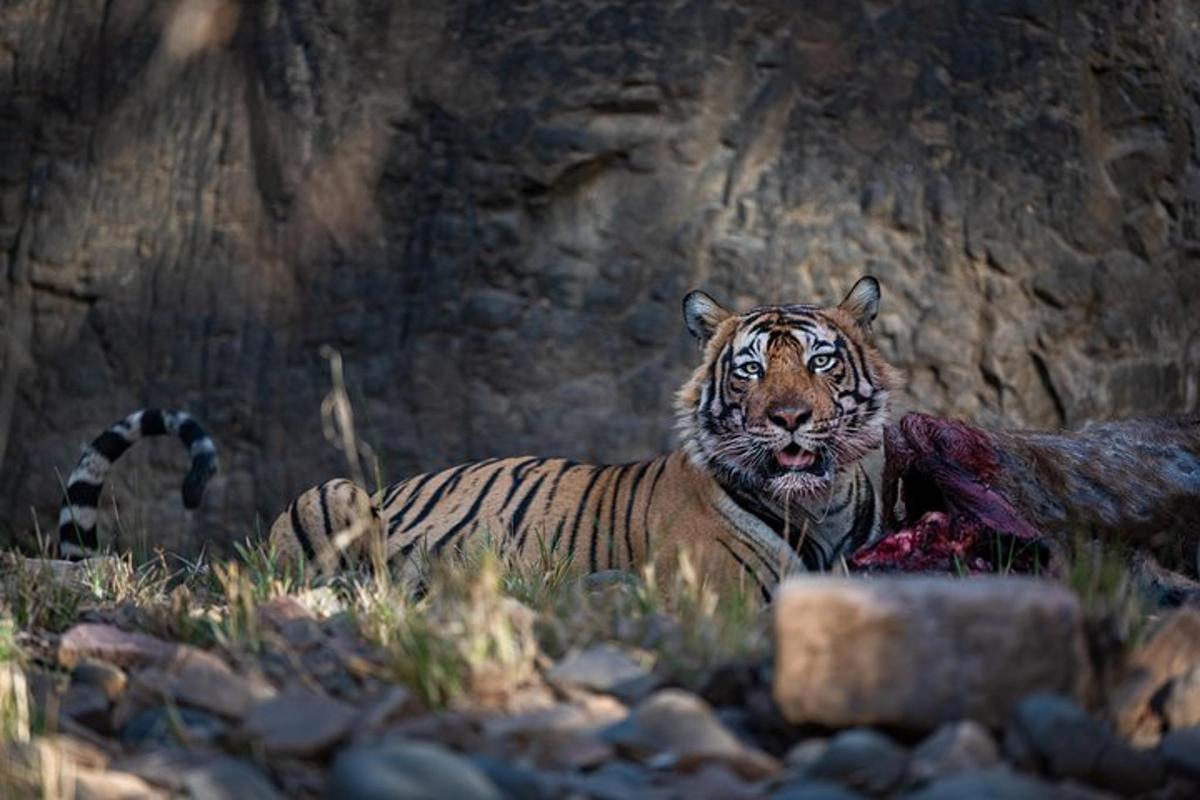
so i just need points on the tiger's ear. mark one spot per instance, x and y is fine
(703, 314)
(863, 302)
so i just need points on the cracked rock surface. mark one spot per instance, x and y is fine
(493, 209)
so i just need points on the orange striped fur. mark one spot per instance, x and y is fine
(775, 421)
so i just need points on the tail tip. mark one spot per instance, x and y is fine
(204, 466)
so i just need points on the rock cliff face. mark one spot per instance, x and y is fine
(492, 209)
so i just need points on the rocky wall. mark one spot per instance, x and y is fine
(491, 209)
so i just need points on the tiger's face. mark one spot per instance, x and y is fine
(786, 395)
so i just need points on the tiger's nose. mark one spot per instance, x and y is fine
(789, 417)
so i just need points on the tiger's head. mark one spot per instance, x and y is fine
(786, 395)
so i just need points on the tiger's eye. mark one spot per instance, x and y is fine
(821, 361)
(751, 369)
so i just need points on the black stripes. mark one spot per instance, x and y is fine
(649, 502)
(301, 535)
(111, 445)
(614, 473)
(629, 503)
(471, 514)
(578, 515)
(523, 507)
(191, 432)
(82, 493)
(86, 480)
(71, 533)
(153, 423)
(326, 520)
(397, 519)
(448, 484)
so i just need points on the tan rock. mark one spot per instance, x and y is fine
(165, 767)
(77, 751)
(676, 728)
(109, 643)
(106, 785)
(283, 609)
(292, 620)
(203, 680)
(1171, 652)
(918, 651)
(1181, 707)
(565, 736)
(190, 675)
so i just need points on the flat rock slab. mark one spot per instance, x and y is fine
(998, 783)
(402, 770)
(954, 748)
(229, 779)
(915, 652)
(299, 723)
(105, 785)
(111, 644)
(603, 668)
(683, 729)
(201, 679)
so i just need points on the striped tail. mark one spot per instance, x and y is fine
(77, 518)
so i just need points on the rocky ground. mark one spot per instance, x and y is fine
(238, 680)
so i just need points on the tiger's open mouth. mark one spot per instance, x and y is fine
(794, 458)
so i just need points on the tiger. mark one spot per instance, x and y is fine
(769, 480)
(77, 535)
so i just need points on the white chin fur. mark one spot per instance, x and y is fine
(792, 485)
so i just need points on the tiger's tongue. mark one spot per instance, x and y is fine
(795, 458)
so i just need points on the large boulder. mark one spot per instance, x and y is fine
(915, 652)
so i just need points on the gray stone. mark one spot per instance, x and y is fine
(923, 650)
(680, 729)
(160, 725)
(997, 783)
(603, 668)
(955, 747)
(402, 770)
(228, 779)
(715, 781)
(514, 782)
(201, 679)
(106, 677)
(804, 754)
(861, 759)
(562, 736)
(1068, 743)
(88, 706)
(615, 780)
(1180, 751)
(299, 723)
(807, 789)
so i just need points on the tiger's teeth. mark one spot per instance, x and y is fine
(799, 459)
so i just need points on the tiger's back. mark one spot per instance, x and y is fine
(769, 479)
